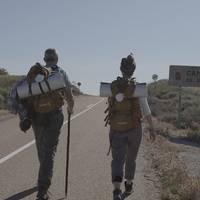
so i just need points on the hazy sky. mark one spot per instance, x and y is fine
(92, 36)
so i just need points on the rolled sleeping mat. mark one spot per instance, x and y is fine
(140, 90)
(54, 82)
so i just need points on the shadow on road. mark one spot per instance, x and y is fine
(22, 194)
(124, 196)
(184, 142)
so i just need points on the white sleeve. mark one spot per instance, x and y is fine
(144, 106)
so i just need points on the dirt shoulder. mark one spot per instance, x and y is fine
(177, 168)
(147, 184)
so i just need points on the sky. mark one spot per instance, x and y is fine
(91, 36)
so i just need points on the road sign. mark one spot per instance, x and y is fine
(155, 77)
(185, 76)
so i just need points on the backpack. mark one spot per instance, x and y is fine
(45, 102)
(123, 109)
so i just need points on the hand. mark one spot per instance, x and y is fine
(152, 134)
(25, 124)
(70, 110)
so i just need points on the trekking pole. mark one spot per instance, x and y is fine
(67, 160)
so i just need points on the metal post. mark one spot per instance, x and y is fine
(179, 107)
(67, 158)
(155, 85)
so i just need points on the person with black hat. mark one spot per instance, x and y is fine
(124, 117)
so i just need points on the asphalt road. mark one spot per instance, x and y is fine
(89, 173)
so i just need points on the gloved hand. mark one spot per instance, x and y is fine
(25, 124)
(70, 110)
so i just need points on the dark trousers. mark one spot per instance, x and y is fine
(46, 128)
(125, 146)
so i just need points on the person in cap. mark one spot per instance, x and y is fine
(47, 128)
(45, 114)
(124, 117)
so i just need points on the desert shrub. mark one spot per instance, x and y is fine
(2, 102)
(3, 71)
(164, 101)
(162, 131)
(176, 184)
(6, 83)
(4, 92)
(170, 95)
(190, 190)
(169, 117)
(193, 136)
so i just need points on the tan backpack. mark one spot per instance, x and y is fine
(46, 102)
(123, 109)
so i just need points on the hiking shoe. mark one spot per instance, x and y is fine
(42, 195)
(128, 188)
(117, 194)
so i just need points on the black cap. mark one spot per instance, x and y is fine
(50, 54)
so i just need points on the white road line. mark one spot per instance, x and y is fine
(84, 111)
(9, 156)
(2, 160)
(90, 105)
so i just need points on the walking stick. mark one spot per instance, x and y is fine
(67, 160)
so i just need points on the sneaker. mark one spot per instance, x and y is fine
(117, 194)
(42, 195)
(128, 188)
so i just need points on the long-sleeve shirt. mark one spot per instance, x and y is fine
(68, 90)
(144, 106)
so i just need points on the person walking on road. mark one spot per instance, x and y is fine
(124, 117)
(44, 112)
(47, 128)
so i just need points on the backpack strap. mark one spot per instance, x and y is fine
(48, 85)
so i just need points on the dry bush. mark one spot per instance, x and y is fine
(6, 83)
(170, 95)
(163, 101)
(176, 184)
(193, 136)
(2, 102)
(3, 71)
(190, 190)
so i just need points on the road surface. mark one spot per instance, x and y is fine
(89, 173)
